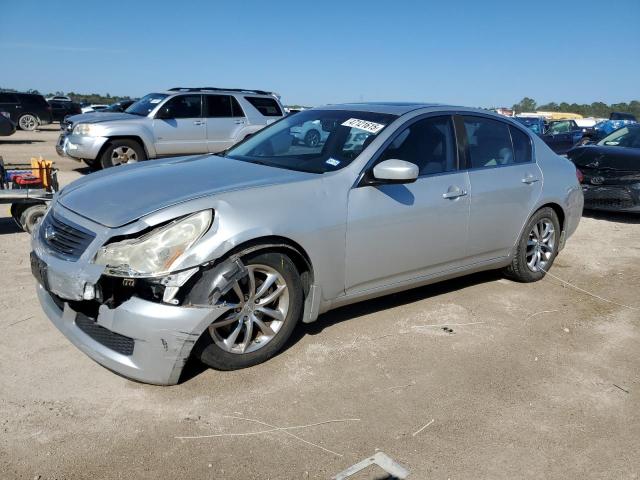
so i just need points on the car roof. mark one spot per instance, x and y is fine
(394, 108)
(229, 91)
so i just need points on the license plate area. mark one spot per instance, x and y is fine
(39, 271)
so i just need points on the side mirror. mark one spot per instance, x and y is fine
(395, 171)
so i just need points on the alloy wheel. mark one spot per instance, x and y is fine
(28, 122)
(123, 154)
(257, 307)
(540, 245)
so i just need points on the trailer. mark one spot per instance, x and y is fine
(28, 189)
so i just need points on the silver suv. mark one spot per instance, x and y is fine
(180, 121)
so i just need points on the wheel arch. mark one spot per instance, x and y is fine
(111, 138)
(556, 208)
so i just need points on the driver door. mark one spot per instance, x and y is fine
(179, 128)
(401, 232)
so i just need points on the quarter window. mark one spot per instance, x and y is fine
(266, 106)
(184, 106)
(521, 145)
(489, 142)
(429, 143)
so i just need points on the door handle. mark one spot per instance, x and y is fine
(198, 122)
(529, 179)
(454, 192)
(239, 122)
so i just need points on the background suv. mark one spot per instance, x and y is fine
(27, 110)
(180, 121)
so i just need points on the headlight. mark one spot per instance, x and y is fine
(86, 129)
(154, 253)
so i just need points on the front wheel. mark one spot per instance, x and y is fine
(262, 310)
(537, 247)
(121, 152)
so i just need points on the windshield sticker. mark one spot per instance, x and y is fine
(156, 100)
(333, 162)
(365, 125)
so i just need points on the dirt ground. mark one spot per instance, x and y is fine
(533, 381)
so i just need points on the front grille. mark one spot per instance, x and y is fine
(606, 197)
(114, 341)
(63, 238)
(66, 126)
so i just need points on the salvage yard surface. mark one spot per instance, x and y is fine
(478, 377)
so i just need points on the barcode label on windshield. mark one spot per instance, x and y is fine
(371, 127)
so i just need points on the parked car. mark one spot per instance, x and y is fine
(177, 122)
(310, 133)
(27, 110)
(563, 135)
(120, 106)
(94, 107)
(59, 98)
(604, 128)
(535, 124)
(62, 108)
(7, 127)
(219, 257)
(611, 170)
(622, 116)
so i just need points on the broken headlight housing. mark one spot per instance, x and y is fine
(154, 253)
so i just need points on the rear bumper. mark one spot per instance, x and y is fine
(161, 336)
(615, 198)
(79, 147)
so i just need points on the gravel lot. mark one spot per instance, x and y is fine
(534, 381)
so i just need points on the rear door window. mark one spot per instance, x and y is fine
(219, 106)
(8, 98)
(266, 106)
(489, 142)
(521, 145)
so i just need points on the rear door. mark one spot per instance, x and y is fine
(401, 232)
(505, 184)
(225, 121)
(179, 127)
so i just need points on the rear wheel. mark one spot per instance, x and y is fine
(121, 152)
(28, 122)
(537, 247)
(262, 311)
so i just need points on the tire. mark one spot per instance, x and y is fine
(261, 346)
(30, 216)
(28, 122)
(312, 138)
(120, 152)
(537, 247)
(92, 164)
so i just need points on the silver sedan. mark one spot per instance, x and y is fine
(220, 256)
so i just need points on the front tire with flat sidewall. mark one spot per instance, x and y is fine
(236, 344)
(120, 152)
(537, 247)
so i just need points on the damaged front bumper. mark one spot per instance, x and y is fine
(137, 336)
(142, 340)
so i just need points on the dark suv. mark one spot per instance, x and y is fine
(27, 110)
(61, 108)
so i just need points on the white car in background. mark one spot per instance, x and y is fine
(94, 107)
(310, 133)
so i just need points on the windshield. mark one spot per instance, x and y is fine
(315, 141)
(146, 104)
(533, 124)
(624, 137)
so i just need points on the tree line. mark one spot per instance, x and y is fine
(76, 97)
(595, 109)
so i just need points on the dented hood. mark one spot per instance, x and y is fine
(623, 159)
(121, 195)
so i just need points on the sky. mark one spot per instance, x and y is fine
(484, 53)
